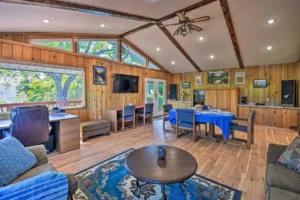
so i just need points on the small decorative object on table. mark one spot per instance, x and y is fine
(161, 152)
(58, 112)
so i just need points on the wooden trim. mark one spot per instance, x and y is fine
(81, 8)
(187, 9)
(119, 54)
(137, 29)
(227, 16)
(179, 47)
(143, 54)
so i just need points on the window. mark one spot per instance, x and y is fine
(153, 66)
(27, 84)
(131, 56)
(64, 44)
(102, 48)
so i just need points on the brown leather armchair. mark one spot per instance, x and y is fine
(29, 124)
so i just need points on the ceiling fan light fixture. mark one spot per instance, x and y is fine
(177, 31)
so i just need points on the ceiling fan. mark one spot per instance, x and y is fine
(186, 24)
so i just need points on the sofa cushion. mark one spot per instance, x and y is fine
(94, 125)
(283, 178)
(34, 172)
(290, 158)
(15, 160)
(278, 194)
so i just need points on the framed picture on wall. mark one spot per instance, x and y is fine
(99, 75)
(240, 78)
(198, 80)
(217, 77)
(260, 83)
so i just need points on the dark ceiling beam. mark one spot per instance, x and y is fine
(227, 15)
(187, 9)
(137, 29)
(81, 8)
(167, 17)
(179, 47)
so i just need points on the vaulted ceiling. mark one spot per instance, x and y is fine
(237, 35)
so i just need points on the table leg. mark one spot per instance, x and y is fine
(137, 191)
(183, 186)
(163, 190)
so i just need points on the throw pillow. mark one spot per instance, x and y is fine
(15, 160)
(291, 156)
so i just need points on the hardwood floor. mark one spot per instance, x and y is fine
(239, 168)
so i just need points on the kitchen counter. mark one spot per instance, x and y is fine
(173, 101)
(264, 106)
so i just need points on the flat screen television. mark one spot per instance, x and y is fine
(125, 83)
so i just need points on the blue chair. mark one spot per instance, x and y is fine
(128, 115)
(185, 119)
(243, 125)
(166, 109)
(147, 112)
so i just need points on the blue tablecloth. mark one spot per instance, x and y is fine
(219, 119)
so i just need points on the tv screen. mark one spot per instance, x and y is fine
(125, 83)
(185, 85)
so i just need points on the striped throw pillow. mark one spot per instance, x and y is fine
(290, 158)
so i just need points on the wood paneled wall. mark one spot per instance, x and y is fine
(98, 97)
(273, 73)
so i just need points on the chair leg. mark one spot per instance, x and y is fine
(144, 120)
(164, 125)
(252, 137)
(205, 131)
(177, 132)
(123, 125)
(134, 123)
(249, 140)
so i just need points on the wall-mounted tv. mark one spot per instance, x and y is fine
(125, 83)
(186, 85)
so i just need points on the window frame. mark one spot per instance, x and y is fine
(54, 40)
(95, 40)
(25, 63)
(137, 52)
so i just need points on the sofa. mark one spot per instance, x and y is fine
(43, 166)
(281, 183)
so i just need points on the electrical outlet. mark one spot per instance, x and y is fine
(100, 117)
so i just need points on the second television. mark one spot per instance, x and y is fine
(125, 83)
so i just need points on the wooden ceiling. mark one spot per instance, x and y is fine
(134, 20)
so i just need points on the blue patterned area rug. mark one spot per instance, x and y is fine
(110, 180)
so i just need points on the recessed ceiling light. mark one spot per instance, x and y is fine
(157, 49)
(201, 38)
(269, 48)
(46, 21)
(211, 56)
(102, 25)
(173, 62)
(271, 21)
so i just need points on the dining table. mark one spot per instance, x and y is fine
(218, 118)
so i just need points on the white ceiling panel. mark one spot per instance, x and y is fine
(149, 39)
(216, 40)
(149, 8)
(254, 34)
(23, 18)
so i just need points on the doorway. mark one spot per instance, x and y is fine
(155, 92)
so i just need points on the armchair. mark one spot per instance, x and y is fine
(43, 166)
(128, 115)
(146, 113)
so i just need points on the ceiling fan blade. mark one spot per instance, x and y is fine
(194, 27)
(177, 31)
(165, 25)
(199, 19)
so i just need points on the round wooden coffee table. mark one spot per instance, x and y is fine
(145, 166)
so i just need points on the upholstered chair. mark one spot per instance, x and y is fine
(166, 109)
(185, 119)
(243, 125)
(147, 112)
(128, 115)
(29, 124)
